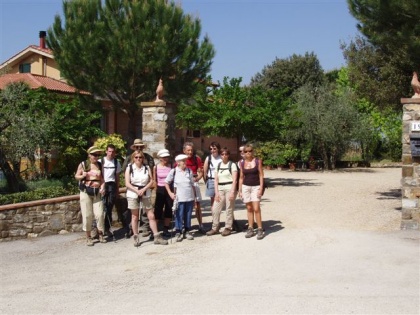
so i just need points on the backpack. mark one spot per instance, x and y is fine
(173, 180)
(146, 169)
(115, 166)
(210, 164)
(86, 168)
(230, 171)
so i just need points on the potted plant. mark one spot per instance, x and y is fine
(290, 153)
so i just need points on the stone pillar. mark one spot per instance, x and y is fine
(410, 164)
(158, 126)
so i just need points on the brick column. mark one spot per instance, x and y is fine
(410, 164)
(158, 128)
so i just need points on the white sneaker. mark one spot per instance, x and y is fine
(189, 236)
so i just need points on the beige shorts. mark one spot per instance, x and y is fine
(133, 203)
(250, 193)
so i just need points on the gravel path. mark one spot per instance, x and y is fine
(333, 246)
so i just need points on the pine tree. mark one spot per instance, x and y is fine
(119, 49)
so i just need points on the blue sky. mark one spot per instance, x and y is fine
(247, 34)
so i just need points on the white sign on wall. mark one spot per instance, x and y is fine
(415, 126)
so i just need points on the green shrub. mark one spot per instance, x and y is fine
(38, 194)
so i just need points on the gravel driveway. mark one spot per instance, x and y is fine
(333, 246)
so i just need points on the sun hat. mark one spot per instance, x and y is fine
(163, 153)
(181, 157)
(137, 143)
(94, 150)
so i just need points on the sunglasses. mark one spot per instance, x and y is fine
(213, 149)
(138, 157)
(95, 155)
(248, 151)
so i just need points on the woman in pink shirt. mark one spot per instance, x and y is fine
(163, 202)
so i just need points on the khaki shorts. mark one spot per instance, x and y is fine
(250, 193)
(133, 203)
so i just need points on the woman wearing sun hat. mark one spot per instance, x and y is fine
(91, 184)
(163, 202)
(139, 180)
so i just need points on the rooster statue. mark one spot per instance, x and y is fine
(416, 85)
(159, 91)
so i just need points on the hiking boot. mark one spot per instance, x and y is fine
(102, 238)
(250, 233)
(226, 232)
(166, 233)
(160, 241)
(260, 234)
(189, 236)
(212, 232)
(89, 241)
(202, 230)
(146, 233)
(178, 237)
(136, 240)
(108, 233)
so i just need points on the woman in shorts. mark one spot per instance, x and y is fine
(138, 180)
(251, 183)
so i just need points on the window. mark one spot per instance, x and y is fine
(193, 133)
(25, 68)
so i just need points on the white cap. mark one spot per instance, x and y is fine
(181, 157)
(163, 153)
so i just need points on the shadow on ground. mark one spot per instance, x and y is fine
(295, 182)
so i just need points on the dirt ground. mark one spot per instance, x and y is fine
(333, 245)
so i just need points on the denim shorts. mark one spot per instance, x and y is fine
(210, 188)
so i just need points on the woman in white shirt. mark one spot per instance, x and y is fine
(139, 180)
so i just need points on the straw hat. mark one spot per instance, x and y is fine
(94, 149)
(137, 143)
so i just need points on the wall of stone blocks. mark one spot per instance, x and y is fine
(410, 173)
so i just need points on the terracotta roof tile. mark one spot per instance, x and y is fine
(36, 81)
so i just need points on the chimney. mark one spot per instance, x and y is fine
(42, 35)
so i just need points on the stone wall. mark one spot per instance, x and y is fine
(410, 181)
(40, 218)
(48, 217)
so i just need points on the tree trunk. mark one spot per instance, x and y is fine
(12, 178)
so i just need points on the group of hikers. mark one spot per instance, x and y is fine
(177, 191)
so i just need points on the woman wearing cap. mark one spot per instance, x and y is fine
(91, 184)
(184, 192)
(163, 202)
(139, 180)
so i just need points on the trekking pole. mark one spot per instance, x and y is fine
(105, 202)
(139, 221)
(174, 208)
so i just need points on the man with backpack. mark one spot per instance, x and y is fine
(140, 146)
(111, 169)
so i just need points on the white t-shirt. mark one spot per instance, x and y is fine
(139, 177)
(211, 172)
(109, 169)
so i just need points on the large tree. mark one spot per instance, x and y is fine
(326, 119)
(392, 25)
(232, 111)
(119, 49)
(290, 73)
(381, 63)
